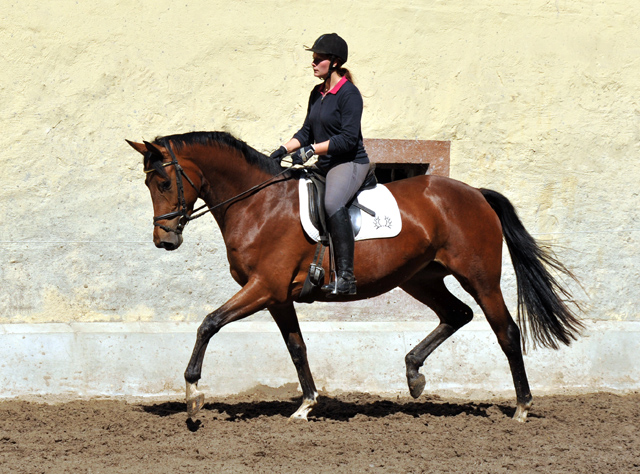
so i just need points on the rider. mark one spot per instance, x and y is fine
(332, 131)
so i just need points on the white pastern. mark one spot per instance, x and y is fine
(307, 405)
(195, 399)
(522, 412)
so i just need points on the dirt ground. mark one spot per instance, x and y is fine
(591, 434)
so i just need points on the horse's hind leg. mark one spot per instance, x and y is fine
(508, 334)
(453, 314)
(287, 320)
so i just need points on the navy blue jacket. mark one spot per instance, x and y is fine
(335, 116)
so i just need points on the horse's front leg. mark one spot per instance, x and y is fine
(247, 301)
(287, 320)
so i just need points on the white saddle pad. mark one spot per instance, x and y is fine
(385, 224)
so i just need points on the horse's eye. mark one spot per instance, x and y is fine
(165, 186)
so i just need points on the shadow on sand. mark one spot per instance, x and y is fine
(335, 409)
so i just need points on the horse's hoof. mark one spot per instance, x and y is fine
(195, 405)
(195, 399)
(297, 418)
(302, 412)
(521, 412)
(416, 386)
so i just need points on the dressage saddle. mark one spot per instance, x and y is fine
(316, 187)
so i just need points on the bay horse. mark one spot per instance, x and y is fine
(448, 228)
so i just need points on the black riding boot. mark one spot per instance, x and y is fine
(343, 246)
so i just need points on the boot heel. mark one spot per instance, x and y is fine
(351, 290)
(341, 287)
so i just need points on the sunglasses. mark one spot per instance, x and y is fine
(318, 59)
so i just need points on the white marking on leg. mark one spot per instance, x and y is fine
(195, 399)
(307, 405)
(521, 412)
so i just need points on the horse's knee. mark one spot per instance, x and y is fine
(207, 329)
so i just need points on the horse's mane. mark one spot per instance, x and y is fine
(250, 154)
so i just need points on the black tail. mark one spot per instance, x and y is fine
(541, 300)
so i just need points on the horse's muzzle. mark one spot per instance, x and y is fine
(169, 245)
(166, 240)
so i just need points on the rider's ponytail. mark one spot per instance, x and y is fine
(344, 72)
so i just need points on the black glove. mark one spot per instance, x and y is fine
(279, 153)
(300, 156)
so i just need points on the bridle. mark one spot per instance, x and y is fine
(183, 212)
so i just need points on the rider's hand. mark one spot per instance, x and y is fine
(279, 153)
(300, 156)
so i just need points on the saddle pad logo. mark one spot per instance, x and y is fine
(385, 224)
(378, 223)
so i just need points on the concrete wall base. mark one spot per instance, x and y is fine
(148, 359)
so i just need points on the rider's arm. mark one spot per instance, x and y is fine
(322, 148)
(292, 145)
(351, 115)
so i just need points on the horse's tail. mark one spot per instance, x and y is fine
(542, 301)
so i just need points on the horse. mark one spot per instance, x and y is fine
(448, 228)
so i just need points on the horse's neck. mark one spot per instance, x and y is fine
(227, 174)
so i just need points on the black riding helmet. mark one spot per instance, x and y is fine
(331, 45)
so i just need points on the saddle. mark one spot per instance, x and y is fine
(316, 189)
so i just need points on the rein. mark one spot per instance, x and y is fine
(183, 213)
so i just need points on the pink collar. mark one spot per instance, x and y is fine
(336, 88)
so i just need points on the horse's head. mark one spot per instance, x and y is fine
(174, 191)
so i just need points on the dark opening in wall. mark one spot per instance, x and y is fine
(400, 159)
(387, 172)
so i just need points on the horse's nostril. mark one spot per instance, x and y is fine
(168, 245)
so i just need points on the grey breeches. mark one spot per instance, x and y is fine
(342, 183)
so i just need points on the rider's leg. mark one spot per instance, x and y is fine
(343, 181)
(343, 244)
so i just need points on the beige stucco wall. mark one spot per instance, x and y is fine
(538, 98)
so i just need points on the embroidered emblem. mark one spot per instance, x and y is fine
(378, 224)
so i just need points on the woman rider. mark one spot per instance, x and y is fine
(332, 131)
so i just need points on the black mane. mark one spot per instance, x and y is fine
(250, 154)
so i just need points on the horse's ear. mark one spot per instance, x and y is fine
(153, 148)
(139, 147)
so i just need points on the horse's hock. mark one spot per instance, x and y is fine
(398, 159)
